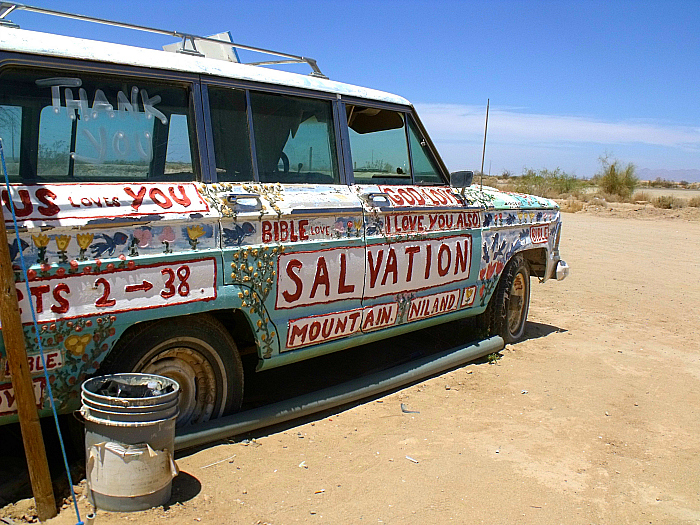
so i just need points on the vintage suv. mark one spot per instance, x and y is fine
(176, 211)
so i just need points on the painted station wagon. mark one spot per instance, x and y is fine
(176, 211)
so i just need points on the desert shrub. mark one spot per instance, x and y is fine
(662, 183)
(641, 196)
(548, 183)
(694, 202)
(614, 179)
(571, 205)
(668, 202)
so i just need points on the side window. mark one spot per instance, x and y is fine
(84, 127)
(10, 126)
(294, 139)
(378, 146)
(229, 124)
(425, 170)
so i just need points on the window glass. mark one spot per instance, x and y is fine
(425, 169)
(10, 125)
(294, 139)
(229, 124)
(378, 146)
(83, 127)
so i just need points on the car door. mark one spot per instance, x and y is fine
(420, 234)
(291, 226)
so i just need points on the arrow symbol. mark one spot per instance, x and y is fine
(143, 287)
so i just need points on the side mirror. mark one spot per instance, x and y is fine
(461, 179)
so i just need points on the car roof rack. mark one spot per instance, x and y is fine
(186, 46)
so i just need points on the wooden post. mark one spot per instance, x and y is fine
(13, 337)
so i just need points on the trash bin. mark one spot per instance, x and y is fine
(129, 440)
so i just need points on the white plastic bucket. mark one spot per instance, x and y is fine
(129, 442)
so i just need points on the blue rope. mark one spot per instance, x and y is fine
(36, 328)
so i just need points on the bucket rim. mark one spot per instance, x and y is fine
(85, 391)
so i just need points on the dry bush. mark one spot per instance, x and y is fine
(641, 196)
(614, 179)
(571, 205)
(548, 183)
(668, 202)
(694, 202)
(598, 201)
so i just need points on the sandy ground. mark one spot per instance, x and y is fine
(594, 418)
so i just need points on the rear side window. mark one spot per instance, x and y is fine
(75, 127)
(229, 124)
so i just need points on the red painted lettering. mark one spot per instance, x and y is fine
(391, 267)
(354, 317)
(461, 259)
(419, 198)
(27, 206)
(298, 332)
(138, 198)
(266, 231)
(38, 293)
(183, 199)
(327, 323)
(321, 277)
(374, 270)
(104, 301)
(314, 330)
(406, 196)
(294, 264)
(396, 198)
(428, 260)
(46, 196)
(410, 251)
(369, 320)
(342, 286)
(70, 199)
(63, 304)
(160, 198)
(442, 271)
(303, 235)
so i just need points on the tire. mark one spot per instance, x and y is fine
(506, 313)
(198, 353)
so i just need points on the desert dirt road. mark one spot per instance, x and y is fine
(594, 418)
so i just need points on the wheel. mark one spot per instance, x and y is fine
(198, 353)
(507, 310)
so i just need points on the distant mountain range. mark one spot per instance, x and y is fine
(677, 175)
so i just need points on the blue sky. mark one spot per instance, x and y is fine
(568, 81)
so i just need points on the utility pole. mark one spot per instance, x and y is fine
(16, 353)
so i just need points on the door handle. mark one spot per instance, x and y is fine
(373, 196)
(240, 201)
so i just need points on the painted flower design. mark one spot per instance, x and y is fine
(76, 344)
(84, 242)
(143, 236)
(167, 235)
(41, 240)
(62, 242)
(194, 233)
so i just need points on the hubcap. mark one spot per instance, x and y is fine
(196, 378)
